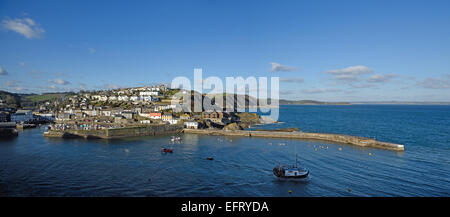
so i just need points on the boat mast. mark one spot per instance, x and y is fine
(296, 160)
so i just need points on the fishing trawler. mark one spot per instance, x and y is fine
(290, 172)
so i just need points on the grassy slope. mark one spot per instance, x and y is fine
(43, 97)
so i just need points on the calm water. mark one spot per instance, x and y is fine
(31, 165)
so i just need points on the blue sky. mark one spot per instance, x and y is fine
(322, 50)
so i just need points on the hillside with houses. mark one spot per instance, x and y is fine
(124, 107)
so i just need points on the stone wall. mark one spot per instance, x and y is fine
(8, 132)
(150, 130)
(354, 140)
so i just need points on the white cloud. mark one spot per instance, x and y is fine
(13, 85)
(286, 92)
(350, 74)
(379, 78)
(362, 85)
(10, 84)
(3, 71)
(59, 81)
(26, 27)
(30, 21)
(320, 90)
(276, 67)
(82, 86)
(54, 88)
(296, 80)
(61, 74)
(110, 86)
(35, 74)
(434, 83)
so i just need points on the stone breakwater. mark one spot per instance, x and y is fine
(353, 140)
(163, 129)
(151, 130)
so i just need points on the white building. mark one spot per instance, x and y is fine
(145, 115)
(191, 124)
(173, 121)
(106, 113)
(91, 112)
(149, 93)
(166, 107)
(123, 98)
(127, 115)
(48, 116)
(146, 98)
(134, 98)
(146, 122)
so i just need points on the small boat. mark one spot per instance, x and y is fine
(209, 158)
(175, 139)
(290, 172)
(167, 150)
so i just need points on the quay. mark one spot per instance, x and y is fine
(25, 126)
(338, 138)
(114, 133)
(8, 129)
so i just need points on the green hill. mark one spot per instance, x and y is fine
(15, 100)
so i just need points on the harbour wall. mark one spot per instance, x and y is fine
(8, 132)
(338, 138)
(151, 130)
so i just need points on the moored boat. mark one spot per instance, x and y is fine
(167, 150)
(290, 172)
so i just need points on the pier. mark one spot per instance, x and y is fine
(338, 138)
